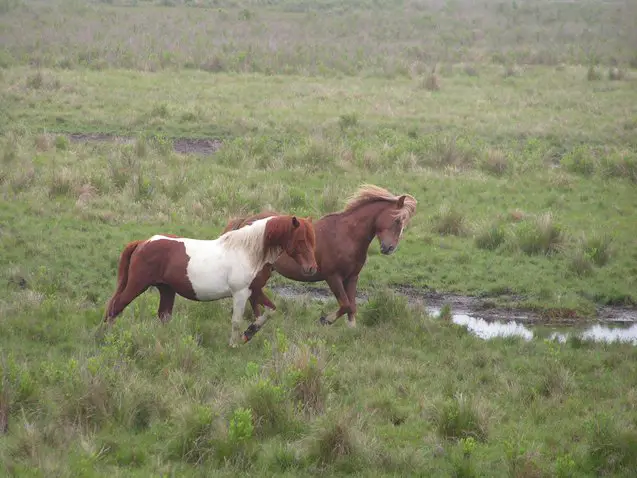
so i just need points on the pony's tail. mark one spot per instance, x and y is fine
(122, 272)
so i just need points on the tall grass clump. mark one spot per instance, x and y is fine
(385, 306)
(301, 370)
(431, 82)
(495, 162)
(590, 251)
(490, 235)
(540, 235)
(307, 375)
(449, 221)
(620, 164)
(616, 74)
(580, 161)
(597, 246)
(269, 403)
(593, 74)
(448, 153)
(458, 417)
(197, 433)
(335, 444)
(612, 448)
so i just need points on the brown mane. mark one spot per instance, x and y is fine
(369, 193)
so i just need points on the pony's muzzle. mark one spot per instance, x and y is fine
(310, 271)
(387, 250)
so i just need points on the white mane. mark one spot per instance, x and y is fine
(250, 238)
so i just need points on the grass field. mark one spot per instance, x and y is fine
(520, 147)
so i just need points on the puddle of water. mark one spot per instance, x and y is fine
(489, 330)
(602, 333)
(515, 325)
(492, 329)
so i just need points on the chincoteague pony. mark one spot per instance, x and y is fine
(208, 270)
(342, 241)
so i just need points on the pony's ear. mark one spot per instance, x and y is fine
(309, 219)
(295, 222)
(401, 202)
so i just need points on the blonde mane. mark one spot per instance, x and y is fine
(250, 238)
(369, 193)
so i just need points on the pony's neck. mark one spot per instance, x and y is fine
(251, 239)
(362, 222)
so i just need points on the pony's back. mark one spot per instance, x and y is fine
(239, 222)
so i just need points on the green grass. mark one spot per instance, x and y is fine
(288, 146)
(151, 399)
(525, 172)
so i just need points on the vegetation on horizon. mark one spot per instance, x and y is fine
(363, 37)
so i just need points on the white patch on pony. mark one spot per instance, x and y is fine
(222, 267)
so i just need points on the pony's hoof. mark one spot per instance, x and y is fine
(250, 331)
(323, 320)
(233, 345)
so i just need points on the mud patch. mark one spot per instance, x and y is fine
(200, 146)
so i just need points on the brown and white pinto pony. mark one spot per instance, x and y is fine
(207, 270)
(342, 241)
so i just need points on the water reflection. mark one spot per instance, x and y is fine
(484, 329)
(489, 330)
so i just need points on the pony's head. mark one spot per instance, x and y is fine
(391, 219)
(296, 237)
(391, 222)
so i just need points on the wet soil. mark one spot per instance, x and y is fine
(478, 307)
(200, 146)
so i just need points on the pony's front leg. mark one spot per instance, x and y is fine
(336, 285)
(239, 299)
(255, 326)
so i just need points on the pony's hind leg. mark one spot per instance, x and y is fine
(239, 300)
(166, 302)
(134, 288)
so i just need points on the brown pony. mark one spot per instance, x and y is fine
(207, 270)
(342, 241)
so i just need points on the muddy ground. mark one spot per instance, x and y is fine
(482, 308)
(201, 146)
